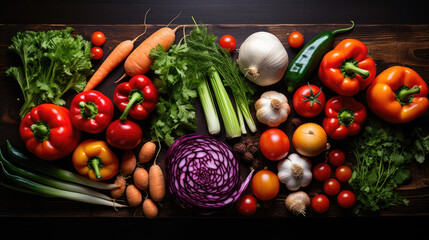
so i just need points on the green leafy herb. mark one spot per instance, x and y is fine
(382, 163)
(177, 85)
(53, 62)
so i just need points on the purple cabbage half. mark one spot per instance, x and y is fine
(203, 173)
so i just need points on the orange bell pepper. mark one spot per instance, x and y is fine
(398, 95)
(94, 159)
(346, 69)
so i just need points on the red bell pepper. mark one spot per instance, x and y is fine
(398, 95)
(91, 111)
(48, 132)
(344, 117)
(346, 69)
(139, 96)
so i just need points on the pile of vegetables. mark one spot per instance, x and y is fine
(185, 72)
(204, 173)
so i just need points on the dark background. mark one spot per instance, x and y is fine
(209, 12)
(215, 12)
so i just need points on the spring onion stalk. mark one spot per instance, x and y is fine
(210, 113)
(48, 191)
(51, 181)
(54, 171)
(227, 111)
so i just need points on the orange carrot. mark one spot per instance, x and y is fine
(118, 55)
(150, 210)
(156, 180)
(119, 192)
(147, 152)
(141, 178)
(128, 162)
(139, 62)
(134, 196)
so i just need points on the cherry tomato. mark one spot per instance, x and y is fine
(320, 203)
(98, 38)
(265, 185)
(228, 42)
(308, 100)
(247, 205)
(321, 172)
(331, 186)
(98, 53)
(274, 144)
(346, 199)
(343, 173)
(295, 39)
(336, 157)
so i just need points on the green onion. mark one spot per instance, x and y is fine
(210, 113)
(44, 190)
(42, 166)
(51, 181)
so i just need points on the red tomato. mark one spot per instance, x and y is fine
(124, 135)
(98, 38)
(265, 185)
(320, 203)
(331, 186)
(309, 100)
(274, 144)
(321, 172)
(98, 53)
(295, 39)
(346, 199)
(247, 205)
(336, 157)
(228, 42)
(343, 173)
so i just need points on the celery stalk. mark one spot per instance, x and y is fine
(206, 98)
(227, 111)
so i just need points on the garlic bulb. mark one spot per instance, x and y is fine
(297, 202)
(272, 108)
(295, 171)
(263, 59)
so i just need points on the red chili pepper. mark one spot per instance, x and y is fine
(343, 117)
(139, 96)
(91, 111)
(48, 132)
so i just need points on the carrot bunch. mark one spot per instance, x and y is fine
(151, 182)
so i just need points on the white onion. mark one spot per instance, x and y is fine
(263, 59)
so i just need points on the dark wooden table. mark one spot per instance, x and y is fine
(396, 34)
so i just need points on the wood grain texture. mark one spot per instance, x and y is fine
(388, 45)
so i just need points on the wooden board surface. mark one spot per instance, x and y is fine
(388, 45)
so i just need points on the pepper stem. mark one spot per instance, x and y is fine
(136, 96)
(350, 68)
(346, 116)
(40, 131)
(88, 110)
(95, 163)
(405, 94)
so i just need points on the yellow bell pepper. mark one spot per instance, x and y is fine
(94, 158)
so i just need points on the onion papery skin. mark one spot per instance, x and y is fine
(203, 173)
